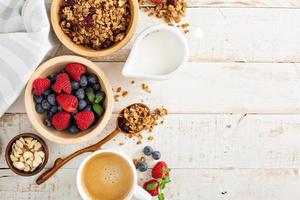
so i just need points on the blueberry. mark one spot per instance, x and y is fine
(52, 78)
(83, 81)
(96, 86)
(53, 109)
(143, 166)
(73, 129)
(45, 105)
(75, 85)
(92, 79)
(39, 108)
(38, 98)
(82, 104)
(47, 92)
(48, 122)
(59, 109)
(88, 108)
(148, 150)
(156, 155)
(80, 94)
(51, 99)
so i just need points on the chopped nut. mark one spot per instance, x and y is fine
(186, 31)
(26, 154)
(185, 25)
(118, 89)
(145, 88)
(150, 137)
(121, 143)
(132, 82)
(125, 93)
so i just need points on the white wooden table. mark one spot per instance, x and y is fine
(234, 128)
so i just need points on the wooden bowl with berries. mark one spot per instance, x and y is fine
(69, 99)
(94, 28)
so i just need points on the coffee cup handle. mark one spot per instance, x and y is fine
(141, 194)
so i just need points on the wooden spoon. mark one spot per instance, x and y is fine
(59, 162)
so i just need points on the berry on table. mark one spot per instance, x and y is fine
(40, 85)
(156, 155)
(142, 166)
(61, 120)
(160, 170)
(46, 105)
(51, 99)
(80, 93)
(147, 150)
(152, 187)
(39, 108)
(83, 81)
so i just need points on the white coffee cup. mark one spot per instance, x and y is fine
(136, 191)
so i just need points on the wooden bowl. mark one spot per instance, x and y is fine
(64, 137)
(89, 52)
(9, 148)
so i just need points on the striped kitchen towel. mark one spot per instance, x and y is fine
(24, 42)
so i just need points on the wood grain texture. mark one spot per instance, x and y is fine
(206, 141)
(191, 184)
(233, 35)
(213, 88)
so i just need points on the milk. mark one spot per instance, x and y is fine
(156, 54)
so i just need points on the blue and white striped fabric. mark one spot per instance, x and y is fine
(24, 42)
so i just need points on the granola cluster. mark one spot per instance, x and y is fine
(137, 118)
(170, 10)
(97, 24)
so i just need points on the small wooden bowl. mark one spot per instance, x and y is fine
(8, 151)
(89, 52)
(64, 137)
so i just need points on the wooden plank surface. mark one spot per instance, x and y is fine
(205, 141)
(233, 35)
(213, 88)
(192, 184)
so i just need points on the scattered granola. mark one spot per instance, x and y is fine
(150, 137)
(121, 143)
(116, 98)
(125, 93)
(146, 88)
(138, 117)
(119, 89)
(133, 82)
(170, 10)
(97, 24)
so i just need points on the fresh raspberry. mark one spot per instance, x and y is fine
(84, 119)
(160, 170)
(40, 85)
(152, 187)
(75, 70)
(68, 102)
(61, 120)
(62, 84)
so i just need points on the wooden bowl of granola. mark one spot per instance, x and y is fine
(94, 29)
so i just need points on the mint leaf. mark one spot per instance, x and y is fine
(152, 186)
(162, 185)
(98, 109)
(166, 179)
(90, 94)
(98, 99)
(161, 196)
